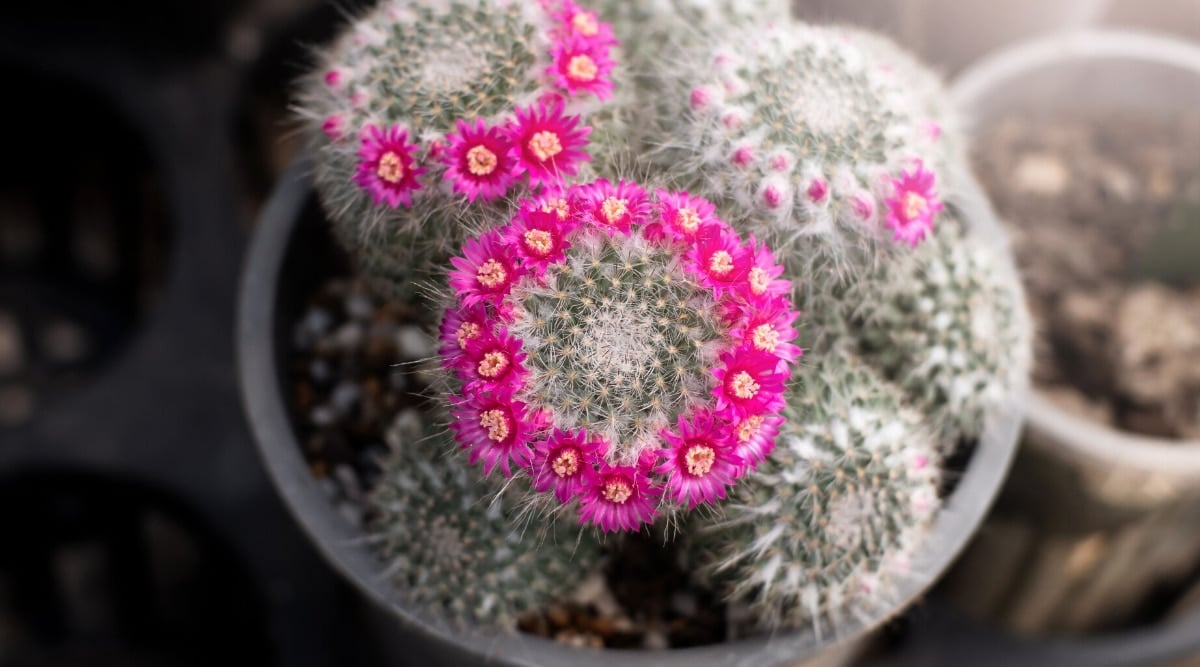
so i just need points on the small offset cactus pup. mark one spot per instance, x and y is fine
(694, 269)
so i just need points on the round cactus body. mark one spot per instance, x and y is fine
(614, 346)
(809, 138)
(454, 543)
(826, 526)
(949, 324)
(427, 116)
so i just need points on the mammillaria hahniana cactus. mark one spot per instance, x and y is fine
(624, 355)
(627, 352)
(428, 114)
(949, 324)
(805, 138)
(454, 545)
(833, 518)
(839, 150)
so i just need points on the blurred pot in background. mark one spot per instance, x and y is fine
(1090, 145)
(954, 33)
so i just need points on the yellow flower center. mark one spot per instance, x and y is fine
(720, 263)
(491, 274)
(496, 424)
(391, 167)
(559, 207)
(585, 24)
(743, 385)
(566, 463)
(759, 281)
(613, 208)
(765, 337)
(468, 331)
(699, 459)
(582, 68)
(481, 161)
(914, 205)
(616, 491)
(545, 145)
(539, 241)
(749, 427)
(493, 364)
(688, 220)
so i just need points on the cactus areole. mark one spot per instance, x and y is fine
(626, 351)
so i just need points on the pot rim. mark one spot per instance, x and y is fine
(345, 548)
(1176, 457)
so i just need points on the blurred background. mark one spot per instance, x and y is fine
(141, 140)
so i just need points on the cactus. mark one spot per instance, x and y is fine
(427, 115)
(455, 548)
(614, 355)
(612, 345)
(828, 524)
(807, 137)
(949, 324)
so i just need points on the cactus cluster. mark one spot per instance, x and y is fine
(615, 355)
(612, 345)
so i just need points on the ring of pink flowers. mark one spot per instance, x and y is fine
(540, 435)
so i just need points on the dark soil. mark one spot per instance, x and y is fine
(1104, 214)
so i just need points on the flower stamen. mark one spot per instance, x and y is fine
(744, 386)
(491, 274)
(391, 167)
(493, 364)
(545, 145)
(496, 424)
(481, 161)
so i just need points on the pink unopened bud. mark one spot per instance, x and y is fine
(780, 163)
(818, 189)
(772, 197)
(863, 206)
(743, 157)
(333, 78)
(700, 98)
(731, 121)
(332, 127)
(932, 130)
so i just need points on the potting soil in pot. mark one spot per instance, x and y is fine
(356, 386)
(1104, 214)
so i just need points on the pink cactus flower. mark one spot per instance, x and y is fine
(613, 208)
(386, 168)
(562, 462)
(913, 205)
(479, 161)
(755, 436)
(493, 428)
(582, 66)
(547, 145)
(700, 461)
(681, 217)
(719, 259)
(486, 272)
(619, 498)
(749, 382)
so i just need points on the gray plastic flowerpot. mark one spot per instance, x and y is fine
(285, 261)
(1095, 521)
